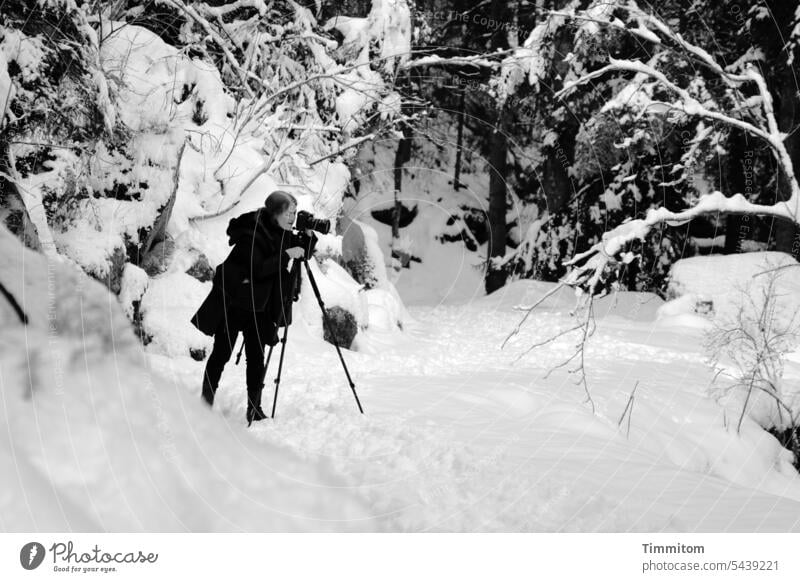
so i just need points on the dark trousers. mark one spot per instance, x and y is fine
(224, 340)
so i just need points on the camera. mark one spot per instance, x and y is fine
(308, 242)
(307, 221)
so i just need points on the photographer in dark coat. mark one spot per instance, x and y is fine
(249, 294)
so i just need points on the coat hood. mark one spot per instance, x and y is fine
(251, 224)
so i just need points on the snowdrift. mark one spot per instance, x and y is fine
(97, 441)
(716, 283)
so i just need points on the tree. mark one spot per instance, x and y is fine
(470, 46)
(748, 107)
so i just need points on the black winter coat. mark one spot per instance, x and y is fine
(252, 280)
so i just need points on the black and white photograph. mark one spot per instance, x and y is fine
(399, 266)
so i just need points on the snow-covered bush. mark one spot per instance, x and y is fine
(175, 117)
(748, 347)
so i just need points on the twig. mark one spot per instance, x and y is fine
(516, 330)
(582, 350)
(629, 404)
(773, 270)
(549, 340)
(746, 401)
(23, 317)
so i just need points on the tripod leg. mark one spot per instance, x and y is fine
(239, 355)
(327, 327)
(266, 364)
(280, 368)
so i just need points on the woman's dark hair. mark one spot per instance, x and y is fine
(277, 203)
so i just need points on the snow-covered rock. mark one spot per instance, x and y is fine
(719, 283)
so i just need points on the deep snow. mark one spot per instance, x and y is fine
(460, 436)
(457, 435)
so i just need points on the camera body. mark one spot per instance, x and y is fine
(307, 221)
(304, 237)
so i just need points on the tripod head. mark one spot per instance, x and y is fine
(306, 240)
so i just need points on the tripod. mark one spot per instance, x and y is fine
(294, 279)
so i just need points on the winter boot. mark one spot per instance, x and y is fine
(254, 412)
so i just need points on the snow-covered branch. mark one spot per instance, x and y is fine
(641, 31)
(219, 11)
(206, 25)
(484, 61)
(590, 267)
(687, 103)
(353, 143)
(602, 255)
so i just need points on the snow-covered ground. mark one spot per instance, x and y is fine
(459, 435)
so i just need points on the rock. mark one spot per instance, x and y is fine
(343, 327)
(201, 269)
(354, 253)
(116, 267)
(138, 324)
(362, 270)
(133, 287)
(157, 260)
(353, 242)
(386, 215)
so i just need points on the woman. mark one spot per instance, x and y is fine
(248, 294)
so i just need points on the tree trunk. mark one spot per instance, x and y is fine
(13, 212)
(739, 171)
(557, 185)
(402, 155)
(158, 232)
(497, 206)
(459, 140)
(783, 83)
(787, 235)
(498, 165)
(400, 258)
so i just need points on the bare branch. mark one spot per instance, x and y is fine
(530, 309)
